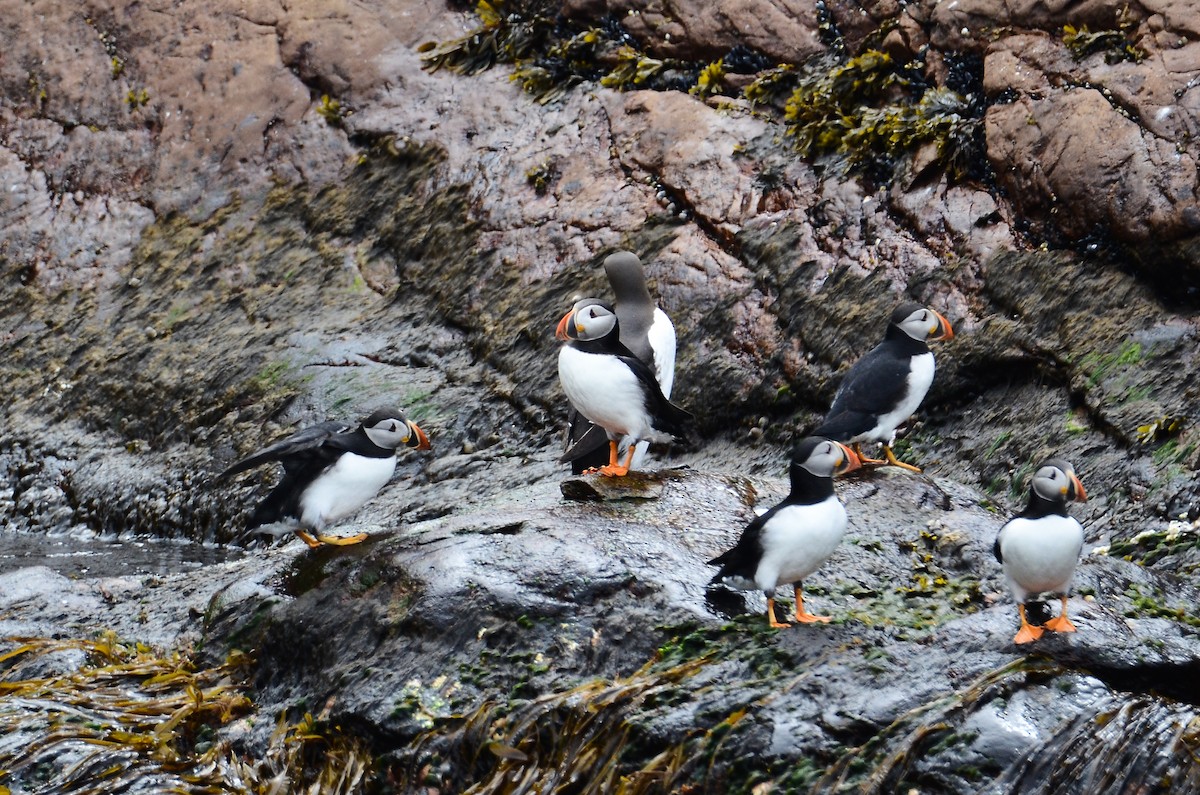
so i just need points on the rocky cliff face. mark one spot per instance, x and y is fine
(219, 222)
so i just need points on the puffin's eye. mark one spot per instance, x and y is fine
(393, 428)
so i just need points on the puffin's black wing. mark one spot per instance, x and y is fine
(872, 387)
(665, 414)
(996, 548)
(294, 451)
(743, 559)
(587, 444)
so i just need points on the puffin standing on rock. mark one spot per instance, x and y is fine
(610, 386)
(1040, 546)
(649, 334)
(790, 541)
(886, 386)
(330, 470)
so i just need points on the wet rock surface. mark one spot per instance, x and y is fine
(219, 223)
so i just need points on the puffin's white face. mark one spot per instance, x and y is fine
(925, 324)
(829, 458)
(391, 432)
(1054, 483)
(592, 322)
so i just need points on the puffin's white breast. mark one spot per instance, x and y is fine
(1040, 554)
(603, 389)
(344, 488)
(797, 540)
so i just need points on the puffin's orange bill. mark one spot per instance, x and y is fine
(1080, 494)
(561, 331)
(946, 332)
(418, 435)
(852, 462)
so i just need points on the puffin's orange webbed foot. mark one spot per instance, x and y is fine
(343, 541)
(1028, 633)
(896, 462)
(802, 615)
(1061, 623)
(312, 542)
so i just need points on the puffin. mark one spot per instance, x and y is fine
(649, 334)
(610, 386)
(791, 541)
(884, 388)
(330, 470)
(1039, 547)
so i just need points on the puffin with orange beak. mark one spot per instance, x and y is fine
(649, 334)
(1040, 547)
(612, 387)
(330, 470)
(791, 541)
(883, 389)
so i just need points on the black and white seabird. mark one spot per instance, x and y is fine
(648, 333)
(1039, 548)
(885, 387)
(330, 470)
(790, 541)
(610, 386)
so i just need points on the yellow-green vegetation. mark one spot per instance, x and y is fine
(37, 92)
(579, 740)
(330, 110)
(1160, 429)
(1100, 366)
(1117, 45)
(1150, 546)
(127, 713)
(137, 98)
(131, 714)
(541, 175)
(509, 32)
(710, 81)
(931, 596)
(871, 109)
(1151, 605)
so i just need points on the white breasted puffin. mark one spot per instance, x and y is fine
(610, 386)
(790, 541)
(330, 470)
(886, 386)
(1040, 546)
(648, 333)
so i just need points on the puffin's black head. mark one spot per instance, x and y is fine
(919, 323)
(388, 428)
(589, 319)
(1055, 481)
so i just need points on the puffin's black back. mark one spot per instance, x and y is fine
(875, 383)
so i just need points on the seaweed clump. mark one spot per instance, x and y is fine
(124, 714)
(1117, 45)
(865, 112)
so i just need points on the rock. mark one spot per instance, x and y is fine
(634, 486)
(782, 30)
